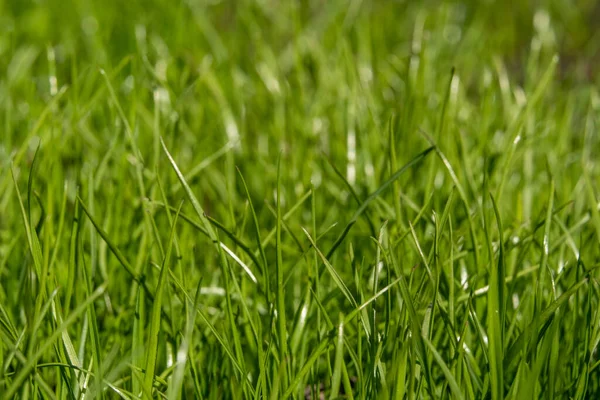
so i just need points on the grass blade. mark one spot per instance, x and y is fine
(373, 196)
(155, 317)
(449, 377)
(257, 235)
(49, 341)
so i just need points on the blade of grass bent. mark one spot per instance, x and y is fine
(71, 354)
(307, 366)
(115, 250)
(334, 274)
(212, 234)
(373, 196)
(238, 242)
(461, 192)
(540, 320)
(195, 203)
(449, 377)
(352, 192)
(220, 226)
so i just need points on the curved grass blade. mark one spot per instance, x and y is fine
(246, 269)
(449, 377)
(238, 242)
(195, 203)
(461, 192)
(115, 250)
(325, 343)
(353, 193)
(226, 269)
(334, 274)
(373, 196)
(539, 321)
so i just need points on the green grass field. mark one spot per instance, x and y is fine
(341, 199)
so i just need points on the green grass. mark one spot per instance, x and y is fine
(291, 199)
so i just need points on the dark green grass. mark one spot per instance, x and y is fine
(261, 199)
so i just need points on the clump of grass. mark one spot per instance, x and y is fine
(298, 200)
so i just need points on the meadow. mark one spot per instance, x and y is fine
(260, 199)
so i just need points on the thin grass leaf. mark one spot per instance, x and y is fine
(257, 236)
(195, 203)
(447, 374)
(49, 341)
(176, 388)
(338, 361)
(280, 296)
(68, 345)
(350, 188)
(323, 345)
(334, 274)
(541, 319)
(373, 196)
(240, 262)
(153, 334)
(94, 331)
(32, 240)
(117, 103)
(238, 242)
(495, 309)
(115, 250)
(415, 322)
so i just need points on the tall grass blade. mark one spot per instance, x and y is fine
(155, 318)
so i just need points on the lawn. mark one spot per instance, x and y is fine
(261, 199)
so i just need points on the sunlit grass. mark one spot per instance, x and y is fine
(265, 200)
